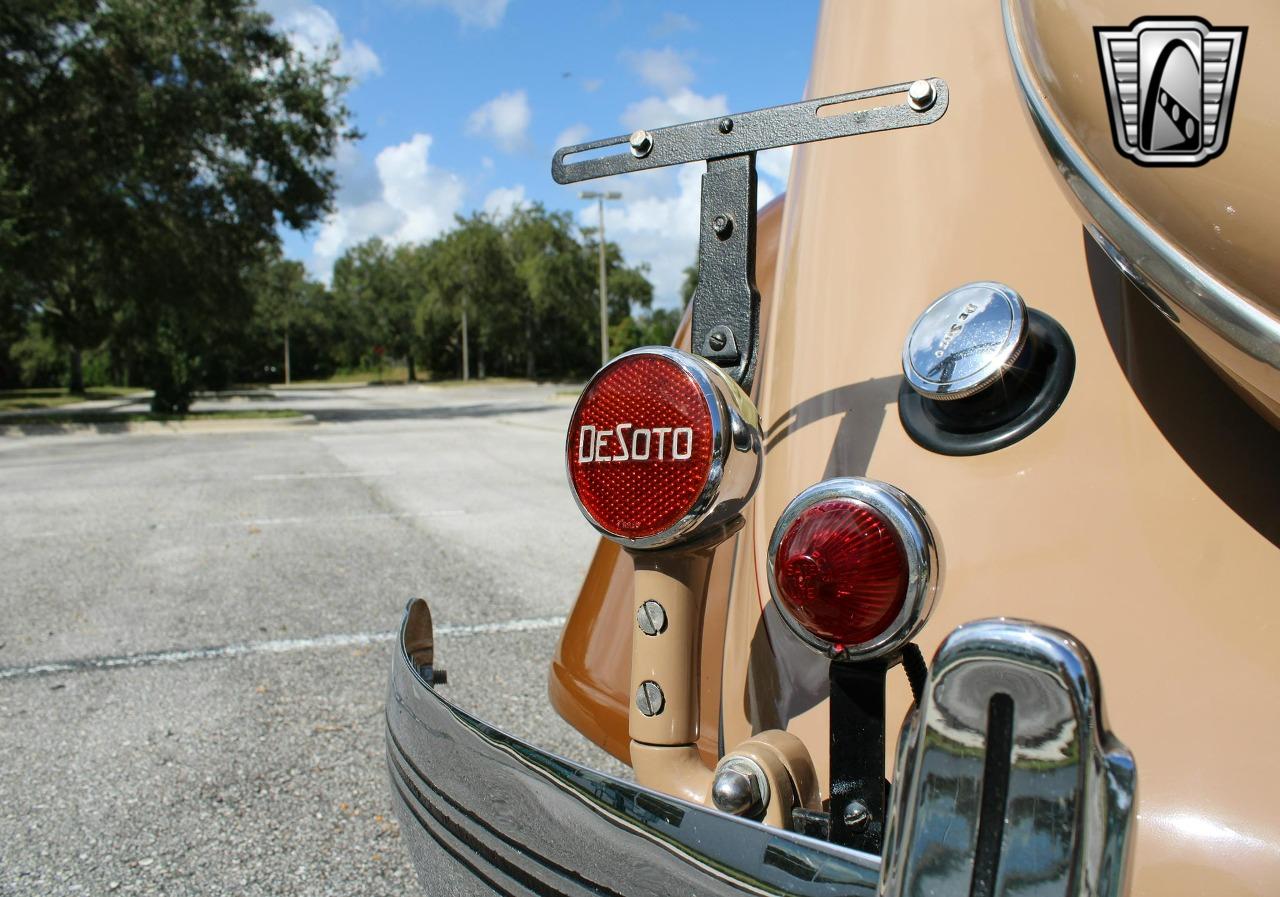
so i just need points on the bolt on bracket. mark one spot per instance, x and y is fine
(726, 304)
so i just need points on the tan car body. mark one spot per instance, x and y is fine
(1144, 516)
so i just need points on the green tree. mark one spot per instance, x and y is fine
(292, 323)
(378, 287)
(653, 328)
(660, 326)
(560, 280)
(149, 149)
(470, 273)
(690, 284)
(629, 287)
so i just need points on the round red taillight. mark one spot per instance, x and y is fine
(853, 567)
(652, 445)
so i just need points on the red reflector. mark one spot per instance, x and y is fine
(841, 571)
(640, 446)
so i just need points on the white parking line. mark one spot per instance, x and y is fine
(335, 518)
(273, 646)
(347, 474)
(250, 522)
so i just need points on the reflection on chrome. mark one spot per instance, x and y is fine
(1010, 782)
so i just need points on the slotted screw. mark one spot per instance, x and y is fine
(649, 698)
(651, 617)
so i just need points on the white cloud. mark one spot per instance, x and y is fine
(481, 13)
(359, 59)
(591, 85)
(655, 223)
(775, 164)
(500, 203)
(312, 30)
(673, 23)
(682, 105)
(666, 69)
(408, 201)
(573, 135)
(657, 220)
(504, 119)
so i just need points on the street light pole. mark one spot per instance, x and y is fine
(604, 282)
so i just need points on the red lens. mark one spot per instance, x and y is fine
(842, 572)
(639, 446)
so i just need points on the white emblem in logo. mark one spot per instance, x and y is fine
(1171, 84)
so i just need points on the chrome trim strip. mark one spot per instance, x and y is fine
(483, 812)
(1008, 775)
(1137, 248)
(736, 450)
(924, 561)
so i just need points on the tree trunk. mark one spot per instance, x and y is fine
(466, 367)
(409, 362)
(528, 348)
(286, 357)
(76, 384)
(480, 363)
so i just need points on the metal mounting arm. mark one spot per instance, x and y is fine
(726, 305)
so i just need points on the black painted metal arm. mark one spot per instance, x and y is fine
(726, 306)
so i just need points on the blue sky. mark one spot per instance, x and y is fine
(462, 103)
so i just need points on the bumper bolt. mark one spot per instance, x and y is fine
(649, 698)
(726, 125)
(651, 617)
(740, 788)
(641, 144)
(921, 95)
(856, 815)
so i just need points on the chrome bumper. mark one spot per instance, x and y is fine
(482, 812)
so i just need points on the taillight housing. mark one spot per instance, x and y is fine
(854, 568)
(661, 446)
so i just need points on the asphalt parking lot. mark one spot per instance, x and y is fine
(194, 632)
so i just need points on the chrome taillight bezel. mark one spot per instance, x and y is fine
(921, 551)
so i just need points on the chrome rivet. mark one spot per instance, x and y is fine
(649, 698)
(740, 788)
(856, 815)
(641, 144)
(921, 95)
(726, 125)
(651, 617)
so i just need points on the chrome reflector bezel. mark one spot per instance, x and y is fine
(923, 557)
(735, 450)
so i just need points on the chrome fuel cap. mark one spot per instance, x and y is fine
(965, 340)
